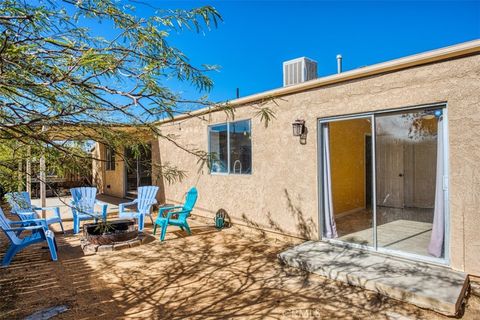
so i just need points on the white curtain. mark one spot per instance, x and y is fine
(329, 220)
(435, 248)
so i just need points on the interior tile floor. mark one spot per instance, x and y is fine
(406, 230)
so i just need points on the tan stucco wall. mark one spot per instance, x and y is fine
(281, 193)
(156, 171)
(98, 172)
(113, 180)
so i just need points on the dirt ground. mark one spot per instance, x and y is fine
(229, 274)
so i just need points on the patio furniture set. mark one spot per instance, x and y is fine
(84, 206)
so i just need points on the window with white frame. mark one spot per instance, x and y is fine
(110, 159)
(230, 147)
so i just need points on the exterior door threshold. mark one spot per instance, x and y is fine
(428, 286)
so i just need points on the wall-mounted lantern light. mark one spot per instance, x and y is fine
(298, 128)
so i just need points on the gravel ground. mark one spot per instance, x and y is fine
(229, 274)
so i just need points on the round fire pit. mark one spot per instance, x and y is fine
(117, 231)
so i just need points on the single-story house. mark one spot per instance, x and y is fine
(386, 157)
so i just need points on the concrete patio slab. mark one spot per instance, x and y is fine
(433, 287)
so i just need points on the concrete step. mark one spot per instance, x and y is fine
(427, 286)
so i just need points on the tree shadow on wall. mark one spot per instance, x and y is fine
(304, 227)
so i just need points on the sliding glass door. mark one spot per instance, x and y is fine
(346, 165)
(138, 169)
(383, 179)
(409, 163)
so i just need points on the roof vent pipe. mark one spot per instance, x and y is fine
(339, 63)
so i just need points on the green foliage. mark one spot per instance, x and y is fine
(8, 170)
(61, 83)
(266, 115)
(104, 227)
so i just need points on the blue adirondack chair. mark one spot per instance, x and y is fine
(181, 213)
(83, 206)
(22, 206)
(145, 199)
(39, 233)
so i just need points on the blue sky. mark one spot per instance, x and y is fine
(257, 36)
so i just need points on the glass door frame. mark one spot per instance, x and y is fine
(445, 261)
(137, 169)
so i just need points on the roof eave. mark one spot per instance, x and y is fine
(446, 53)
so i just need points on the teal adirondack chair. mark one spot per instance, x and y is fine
(83, 206)
(146, 199)
(182, 213)
(39, 233)
(22, 206)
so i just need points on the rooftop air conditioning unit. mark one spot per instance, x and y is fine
(299, 70)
